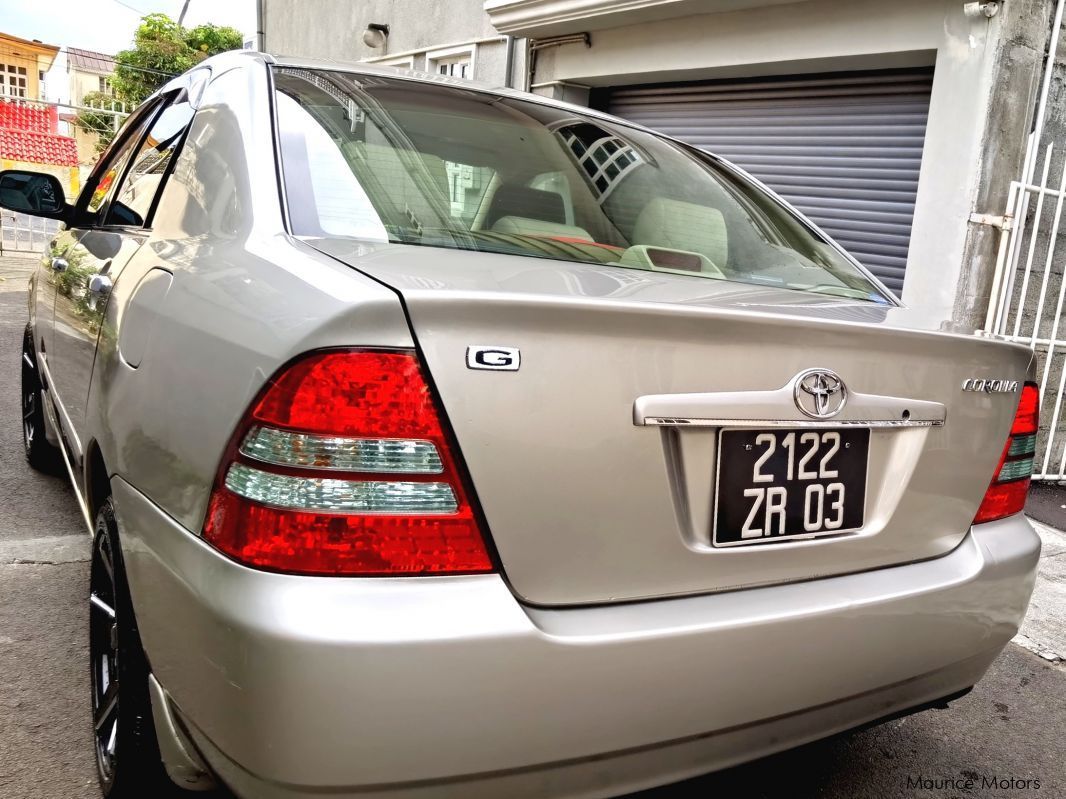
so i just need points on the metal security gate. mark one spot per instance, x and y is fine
(1028, 290)
(844, 148)
(23, 233)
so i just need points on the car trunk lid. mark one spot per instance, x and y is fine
(596, 462)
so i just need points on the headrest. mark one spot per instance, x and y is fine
(683, 226)
(522, 201)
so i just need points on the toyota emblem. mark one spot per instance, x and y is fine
(820, 393)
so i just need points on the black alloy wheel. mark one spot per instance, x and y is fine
(128, 762)
(40, 455)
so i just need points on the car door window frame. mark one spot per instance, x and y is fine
(175, 98)
(133, 134)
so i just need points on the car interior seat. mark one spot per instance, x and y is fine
(521, 210)
(680, 225)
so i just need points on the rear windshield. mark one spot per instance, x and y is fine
(439, 165)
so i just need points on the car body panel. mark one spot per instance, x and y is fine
(48, 281)
(404, 680)
(78, 315)
(244, 300)
(584, 506)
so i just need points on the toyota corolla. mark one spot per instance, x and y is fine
(439, 440)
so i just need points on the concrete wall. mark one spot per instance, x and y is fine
(81, 83)
(333, 29)
(1024, 26)
(833, 35)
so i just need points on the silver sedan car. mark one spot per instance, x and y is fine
(443, 440)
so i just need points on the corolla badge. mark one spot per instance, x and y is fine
(820, 393)
(990, 386)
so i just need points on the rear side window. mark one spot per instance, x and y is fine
(107, 184)
(150, 166)
(445, 166)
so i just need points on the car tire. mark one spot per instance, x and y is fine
(128, 762)
(40, 454)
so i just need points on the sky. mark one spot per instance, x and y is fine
(108, 25)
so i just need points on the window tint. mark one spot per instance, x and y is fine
(440, 166)
(333, 202)
(147, 170)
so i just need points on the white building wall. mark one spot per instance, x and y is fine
(81, 83)
(334, 29)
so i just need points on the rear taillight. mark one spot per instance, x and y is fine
(341, 466)
(1010, 484)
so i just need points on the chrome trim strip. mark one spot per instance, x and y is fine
(106, 608)
(661, 421)
(777, 408)
(66, 428)
(61, 435)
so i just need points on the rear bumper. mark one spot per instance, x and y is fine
(448, 686)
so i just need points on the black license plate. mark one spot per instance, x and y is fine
(789, 483)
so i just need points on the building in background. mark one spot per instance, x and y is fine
(449, 38)
(30, 139)
(89, 84)
(88, 72)
(29, 127)
(889, 124)
(23, 65)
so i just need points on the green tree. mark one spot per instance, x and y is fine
(99, 122)
(161, 49)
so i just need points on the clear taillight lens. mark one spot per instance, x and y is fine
(1010, 485)
(342, 467)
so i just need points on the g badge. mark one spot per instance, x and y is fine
(497, 359)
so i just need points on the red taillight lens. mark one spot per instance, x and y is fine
(1027, 419)
(345, 393)
(342, 467)
(1010, 484)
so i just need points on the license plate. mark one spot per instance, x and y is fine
(775, 485)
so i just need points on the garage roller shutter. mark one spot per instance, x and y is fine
(844, 148)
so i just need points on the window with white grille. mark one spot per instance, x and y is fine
(12, 80)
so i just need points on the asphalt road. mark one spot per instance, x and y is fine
(1012, 727)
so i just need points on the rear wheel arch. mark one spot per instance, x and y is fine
(128, 759)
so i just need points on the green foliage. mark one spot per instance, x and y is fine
(210, 39)
(103, 125)
(162, 49)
